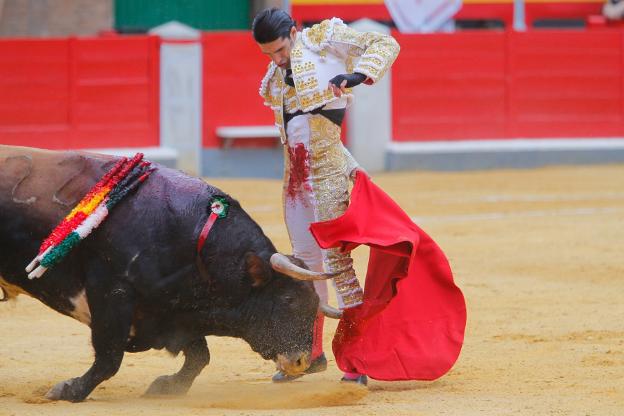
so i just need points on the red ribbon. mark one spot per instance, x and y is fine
(204, 232)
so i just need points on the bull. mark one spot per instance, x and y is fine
(138, 281)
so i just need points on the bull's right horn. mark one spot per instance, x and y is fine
(282, 264)
(329, 311)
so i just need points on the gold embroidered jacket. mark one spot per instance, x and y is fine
(320, 53)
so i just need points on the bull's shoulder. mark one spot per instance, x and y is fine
(49, 183)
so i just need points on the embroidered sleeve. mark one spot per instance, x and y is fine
(265, 88)
(318, 36)
(376, 51)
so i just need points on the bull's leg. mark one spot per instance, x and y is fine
(196, 357)
(111, 306)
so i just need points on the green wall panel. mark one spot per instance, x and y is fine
(142, 15)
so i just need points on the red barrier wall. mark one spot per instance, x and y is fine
(233, 69)
(103, 92)
(565, 84)
(509, 85)
(79, 92)
(449, 86)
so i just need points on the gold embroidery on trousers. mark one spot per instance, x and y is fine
(330, 185)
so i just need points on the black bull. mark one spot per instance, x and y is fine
(138, 281)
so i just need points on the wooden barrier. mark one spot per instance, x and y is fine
(496, 85)
(79, 92)
(103, 92)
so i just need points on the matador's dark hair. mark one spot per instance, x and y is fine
(271, 24)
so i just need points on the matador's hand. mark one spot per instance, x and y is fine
(339, 83)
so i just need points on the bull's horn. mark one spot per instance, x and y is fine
(329, 311)
(282, 264)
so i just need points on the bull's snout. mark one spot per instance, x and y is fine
(294, 363)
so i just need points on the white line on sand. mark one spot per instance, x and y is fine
(495, 198)
(520, 214)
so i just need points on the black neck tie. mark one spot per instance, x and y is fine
(288, 79)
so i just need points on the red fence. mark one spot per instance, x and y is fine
(233, 67)
(449, 87)
(484, 85)
(565, 84)
(103, 92)
(79, 92)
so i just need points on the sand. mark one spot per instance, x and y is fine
(539, 255)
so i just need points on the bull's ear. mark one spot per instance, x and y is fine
(259, 270)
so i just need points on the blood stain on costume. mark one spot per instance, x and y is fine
(299, 172)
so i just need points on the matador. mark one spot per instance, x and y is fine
(308, 86)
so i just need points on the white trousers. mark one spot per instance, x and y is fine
(316, 188)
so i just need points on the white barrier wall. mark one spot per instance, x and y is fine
(180, 93)
(370, 117)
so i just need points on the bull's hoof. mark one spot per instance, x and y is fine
(169, 385)
(66, 390)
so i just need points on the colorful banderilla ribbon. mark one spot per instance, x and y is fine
(124, 177)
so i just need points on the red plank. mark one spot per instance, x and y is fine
(112, 92)
(231, 82)
(33, 82)
(79, 92)
(565, 84)
(448, 87)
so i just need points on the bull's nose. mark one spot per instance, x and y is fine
(293, 364)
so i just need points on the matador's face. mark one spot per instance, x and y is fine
(279, 49)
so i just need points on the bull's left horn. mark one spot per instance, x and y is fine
(282, 264)
(329, 311)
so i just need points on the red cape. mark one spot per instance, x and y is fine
(411, 324)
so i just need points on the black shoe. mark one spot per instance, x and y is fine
(361, 380)
(318, 364)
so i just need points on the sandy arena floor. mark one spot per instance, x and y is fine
(538, 254)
